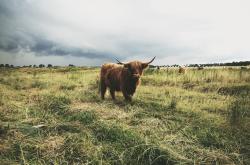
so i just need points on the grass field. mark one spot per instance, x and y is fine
(56, 116)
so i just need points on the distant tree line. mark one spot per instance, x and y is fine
(240, 63)
(25, 66)
(6, 66)
(31, 66)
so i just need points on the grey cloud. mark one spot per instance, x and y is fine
(44, 47)
(5, 9)
(148, 49)
(14, 37)
(8, 47)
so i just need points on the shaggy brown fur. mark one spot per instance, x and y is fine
(121, 77)
(182, 70)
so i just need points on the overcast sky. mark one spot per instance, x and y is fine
(81, 32)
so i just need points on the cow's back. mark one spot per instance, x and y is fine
(106, 68)
(110, 75)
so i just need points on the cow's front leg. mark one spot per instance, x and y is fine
(126, 96)
(103, 89)
(112, 93)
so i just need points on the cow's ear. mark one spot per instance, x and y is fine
(126, 65)
(144, 65)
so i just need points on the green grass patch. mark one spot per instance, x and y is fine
(115, 135)
(55, 104)
(85, 117)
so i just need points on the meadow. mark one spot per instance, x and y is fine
(56, 116)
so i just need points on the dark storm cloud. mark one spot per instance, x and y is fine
(14, 36)
(14, 39)
(43, 47)
(5, 9)
(9, 47)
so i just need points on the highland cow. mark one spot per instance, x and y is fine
(124, 77)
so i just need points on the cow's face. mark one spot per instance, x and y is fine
(135, 69)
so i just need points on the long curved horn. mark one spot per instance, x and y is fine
(150, 61)
(119, 61)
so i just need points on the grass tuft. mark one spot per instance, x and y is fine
(86, 117)
(67, 87)
(115, 134)
(240, 110)
(55, 104)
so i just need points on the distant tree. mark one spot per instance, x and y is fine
(34, 66)
(49, 65)
(7, 65)
(71, 65)
(175, 65)
(12, 66)
(151, 66)
(30, 66)
(1, 65)
(41, 66)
